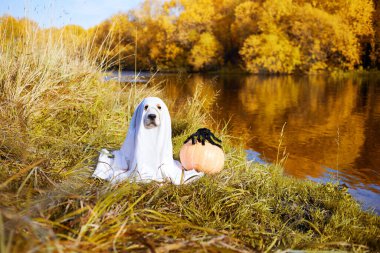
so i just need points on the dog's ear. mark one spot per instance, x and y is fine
(137, 115)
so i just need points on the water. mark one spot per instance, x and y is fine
(331, 127)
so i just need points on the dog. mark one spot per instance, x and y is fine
(147, 152)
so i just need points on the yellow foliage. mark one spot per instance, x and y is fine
(358, 15)
(270, 53)
(198, 12)
(337, 46)
(326, 39)
(172, 51)
(206, 52)
(197, 17)
(246, 21)
(274, 10)
(276, 36)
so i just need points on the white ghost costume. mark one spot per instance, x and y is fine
(147, 153)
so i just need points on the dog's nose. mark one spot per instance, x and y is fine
(152, 116)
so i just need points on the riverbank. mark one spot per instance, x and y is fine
(56, 114)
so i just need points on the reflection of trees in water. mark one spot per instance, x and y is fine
(369, 155)
(314, 108)
(180, 87)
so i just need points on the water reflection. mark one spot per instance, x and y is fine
(331, 123)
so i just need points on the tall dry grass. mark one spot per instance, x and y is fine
(56, 113)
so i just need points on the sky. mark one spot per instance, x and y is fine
(58, 13)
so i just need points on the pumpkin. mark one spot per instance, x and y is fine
(205, 158)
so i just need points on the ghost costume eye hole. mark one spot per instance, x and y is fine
(146, 107)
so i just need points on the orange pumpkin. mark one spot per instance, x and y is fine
(206, 158)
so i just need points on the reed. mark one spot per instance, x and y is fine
(56, 113)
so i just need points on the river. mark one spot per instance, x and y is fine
(331, 124)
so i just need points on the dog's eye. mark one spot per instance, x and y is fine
(146, 107)
(159, 107)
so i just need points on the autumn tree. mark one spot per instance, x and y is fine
(270, 53)
(206, 53)
(166, 49)
(356, 15)
(327, 34)
(275, 36)
(247, 16)
(335, 47)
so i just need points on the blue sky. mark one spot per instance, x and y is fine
(48, 13)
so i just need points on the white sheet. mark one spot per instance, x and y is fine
(146, 154)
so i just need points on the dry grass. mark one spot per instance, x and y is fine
(56, 114)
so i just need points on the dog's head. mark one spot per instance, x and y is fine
(152, 113)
